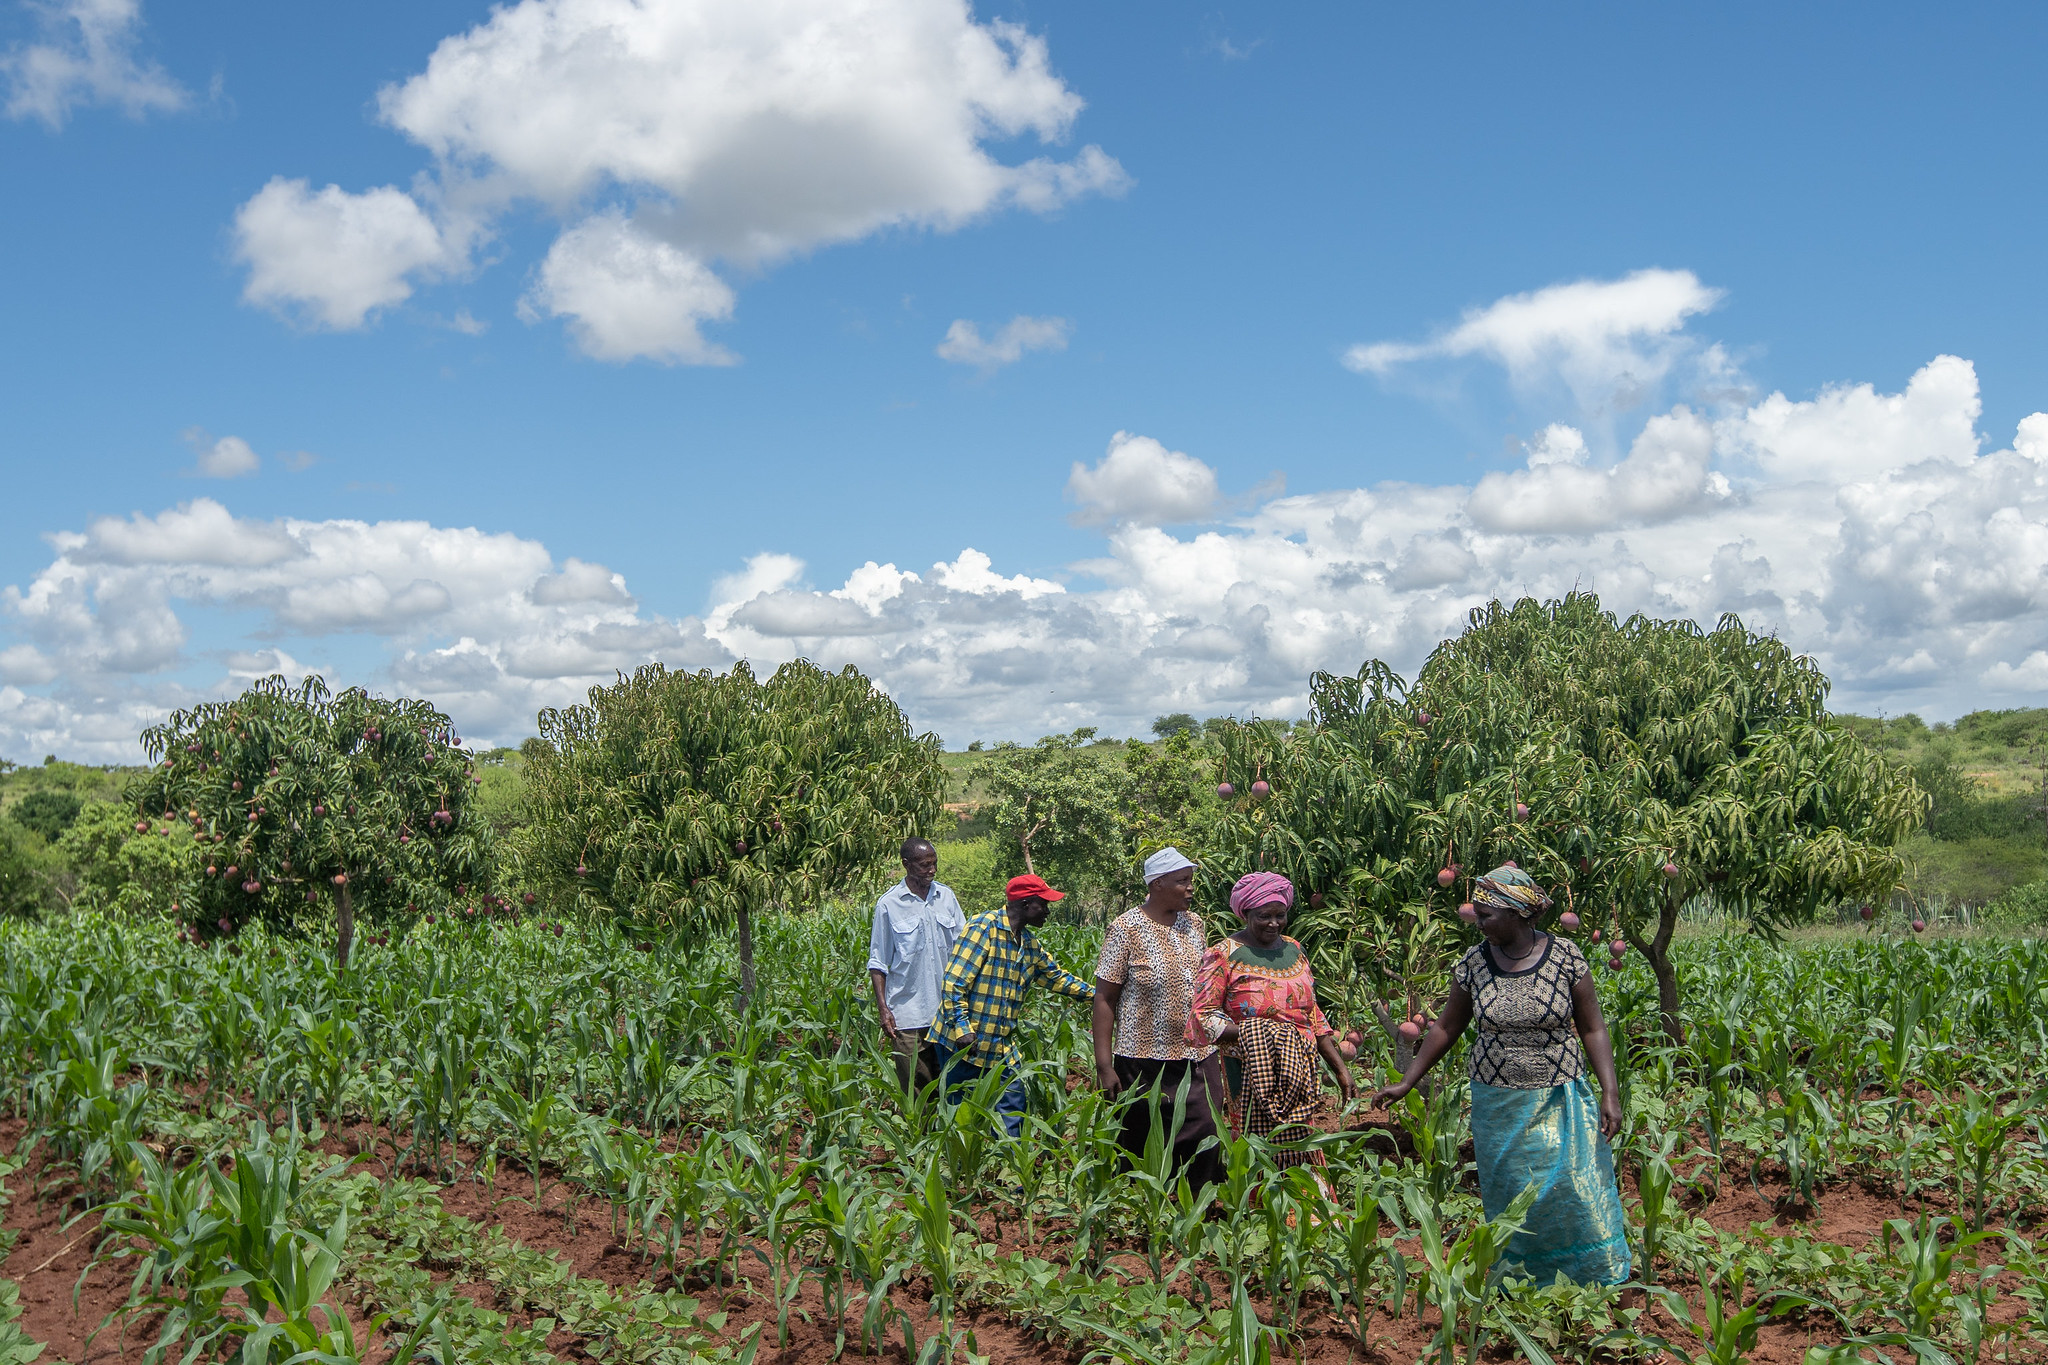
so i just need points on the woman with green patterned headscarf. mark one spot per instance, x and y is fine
(1534, 1116)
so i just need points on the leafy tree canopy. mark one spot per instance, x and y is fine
(48, 813)
(117, 869)
(1627, 765)
(292, 793)
(672, 796)
(1085, 822)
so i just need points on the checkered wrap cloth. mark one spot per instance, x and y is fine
(1278, 1100)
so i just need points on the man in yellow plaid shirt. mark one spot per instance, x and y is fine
(994, 961)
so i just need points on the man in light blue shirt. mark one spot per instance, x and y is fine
(916, 921)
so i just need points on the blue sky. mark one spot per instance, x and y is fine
(1835, 196)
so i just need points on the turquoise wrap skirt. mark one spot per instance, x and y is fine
(1575, 1229)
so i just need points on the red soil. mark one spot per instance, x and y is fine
(48, 1258)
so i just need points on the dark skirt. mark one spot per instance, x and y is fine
(1198, 1120)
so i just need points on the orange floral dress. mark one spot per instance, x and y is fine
(1236, 981)
(1271, 996)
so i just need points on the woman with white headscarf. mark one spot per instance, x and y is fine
(1144, 985)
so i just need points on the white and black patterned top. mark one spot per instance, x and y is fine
(1524, 1037)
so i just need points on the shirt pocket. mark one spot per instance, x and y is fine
(905, 936)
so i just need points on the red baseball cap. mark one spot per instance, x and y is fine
(1028, 885)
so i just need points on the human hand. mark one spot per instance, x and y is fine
(889, 1029)
(1610, 1116)
(1108, 1082)
(1346, 1085)
(1389, 1095)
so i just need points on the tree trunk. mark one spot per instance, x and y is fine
(344, 925)
(1404, 1051)
(1024, 842)
(1658, 951)
(746, 995)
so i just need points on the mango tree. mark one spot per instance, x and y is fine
(1637, 764)
(670, 797)
(294, 795)
(1628, 766)
(1056, 809)
(1355, 806)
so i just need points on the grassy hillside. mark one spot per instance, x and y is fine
(1988, 775)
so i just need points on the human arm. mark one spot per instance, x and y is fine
(880, 980)
(1592, 1026)
(1326, 1047)
(880, 959)
(1112, 964)
(1448, 1028)
(1208, 1020)
(1103, 1027)
(1053, 976)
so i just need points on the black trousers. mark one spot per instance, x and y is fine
(1198, 1121)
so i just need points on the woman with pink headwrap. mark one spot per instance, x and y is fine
(1255, 997)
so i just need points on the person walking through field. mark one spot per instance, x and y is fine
(1144, 991)
(1534, 1117)
(1256, 997)
(916, 923)
(994, 963)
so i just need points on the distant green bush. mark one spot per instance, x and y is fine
(969, 867)
(49, 813)
(28, 880)
(2027, 904)
(115, 868)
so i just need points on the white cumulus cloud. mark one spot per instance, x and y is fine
(1609, 341)
(86, 58)
(228, 458)
(965, 345)
(1873, 526)
(630, 294)
(705, 131)
(331, 257)
(1140, 480)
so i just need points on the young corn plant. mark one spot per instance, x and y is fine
(1977, 1135)
(1300, 1222)
(1917, 1306)
(1351, 1256)
(1460, 1279)
(876, 1240)
(1244, 1173)
(968, 1130)
(1714, 1042)
(532, 1122)
(1094, 1183)
(608, 1167)
(171, 1212)
(1654, 1177)
(327, 1051)
(777, 1207)
(1026, 1161)
(1729, 1328)
(1436, 1125)
(834, 1215)
(931, 1209)
(1154, 1180)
